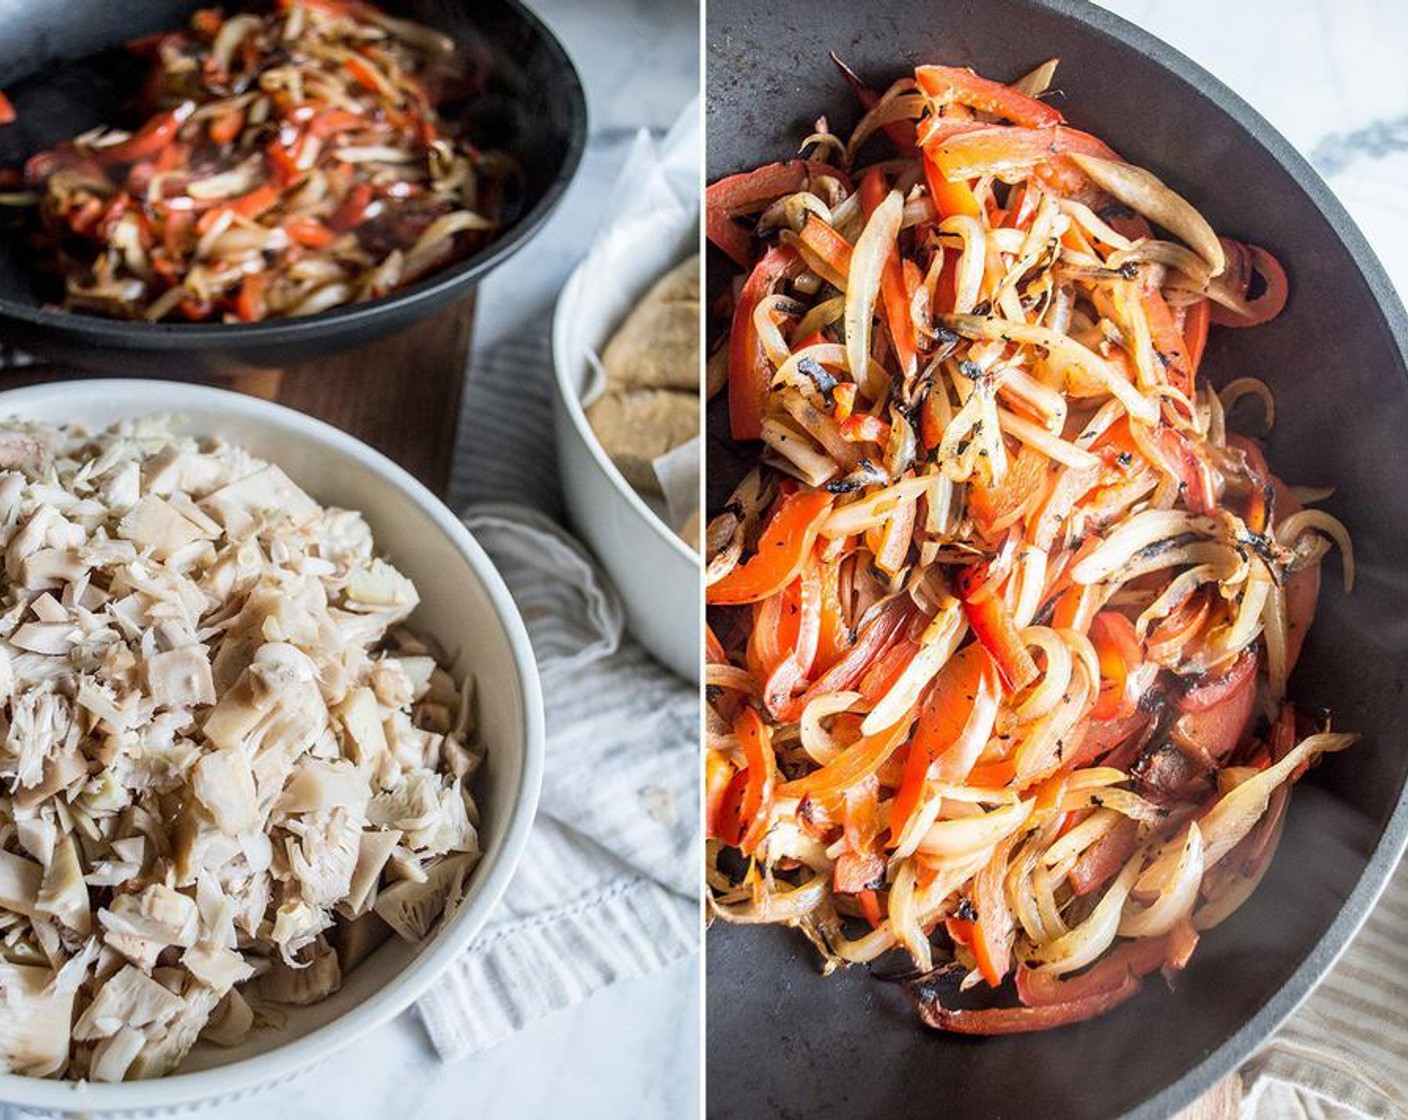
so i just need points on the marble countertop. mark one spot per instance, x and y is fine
(1328, 75)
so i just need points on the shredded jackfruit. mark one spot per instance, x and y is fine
(221, 756)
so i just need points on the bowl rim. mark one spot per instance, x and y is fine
(239, 1078)
(422, 296)
(571, 292)
(1392, 839)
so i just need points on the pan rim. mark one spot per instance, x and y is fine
(1390, 844)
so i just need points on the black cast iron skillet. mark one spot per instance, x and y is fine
(782, 1041)
(61, 65)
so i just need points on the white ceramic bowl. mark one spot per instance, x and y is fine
(464, 606)
(657, 575)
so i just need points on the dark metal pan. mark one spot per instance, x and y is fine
(62, 66)
(782, 1041)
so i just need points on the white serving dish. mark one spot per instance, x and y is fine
(464, 606)
(657, 575)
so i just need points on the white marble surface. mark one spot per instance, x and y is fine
(1329, 75)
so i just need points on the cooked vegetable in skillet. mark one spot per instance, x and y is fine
(1001, 625)
(283, 164)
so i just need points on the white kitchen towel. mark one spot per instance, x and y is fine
(1344, 1053)
(609, 885)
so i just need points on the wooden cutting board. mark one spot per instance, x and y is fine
(401, 394)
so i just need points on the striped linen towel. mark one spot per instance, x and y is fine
(608, 887)
(1344, 1053)
(610, 884)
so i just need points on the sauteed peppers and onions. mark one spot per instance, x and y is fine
(1001, 623)
(288, 163)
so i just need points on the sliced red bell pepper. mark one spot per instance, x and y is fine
(755, 737)
(1016, 1020)
(865, 428)
(783, 548)
(158, 132)
(726, 198)
(994, 930)
(255, 202)
(894, 296)
(860, 866)
(870, 907)
(835, 636)
(749, 372)
(331, 122)
(887, 669)
(993, 626)
(283, 162)
(309, 232)
(890, 543)
(949, 197)
(956, 705)
(718, 776)
(1064, 176)
(1195, 335)
(1117, 647)
(363, 72)
(986, 95)
(227, 128)
(249, 304)
(992, 956)
(833, 252)
(805, 632)
(992, 150)
(993, 775)
(352, 210)
(874, 639)
(852, 766)
(995, 509)
(1168, 340)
